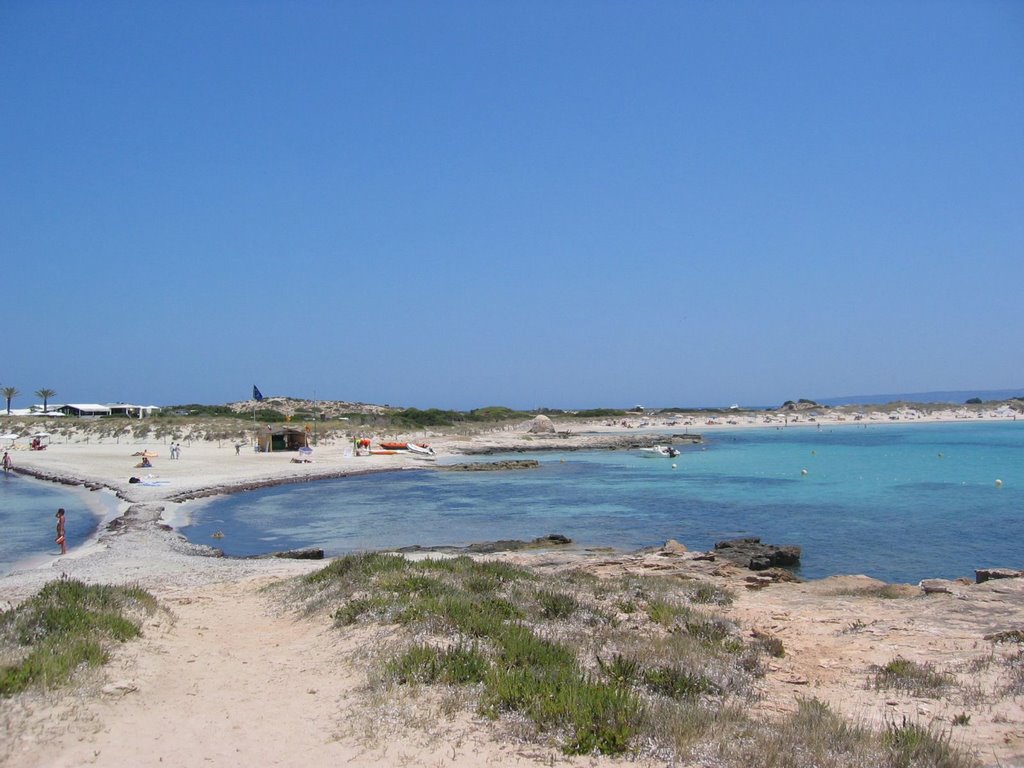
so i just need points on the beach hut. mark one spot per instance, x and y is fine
(281, 439)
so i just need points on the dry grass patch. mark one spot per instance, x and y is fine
(915, 678)
(633, 666)
(881, 591)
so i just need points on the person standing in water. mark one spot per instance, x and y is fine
(7, 462)
(60, 532)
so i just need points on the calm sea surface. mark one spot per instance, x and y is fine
(898, 502)
(28, 524)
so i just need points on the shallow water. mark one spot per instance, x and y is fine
(898, 502)
(28, 524)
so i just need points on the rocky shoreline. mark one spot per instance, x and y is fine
(575, 441)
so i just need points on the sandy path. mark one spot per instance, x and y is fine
(224, 680)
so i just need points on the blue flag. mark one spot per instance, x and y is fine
(256, 394)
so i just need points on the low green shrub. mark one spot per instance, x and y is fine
(66, 625)
(665, 612)
(358, 608)
(678, 683)
(913, 677)
(597, 717)
(556, 605)
(460, 665)
(621, 670)
(714, 633)
(359, 566)
(911, 744)
(705, 593)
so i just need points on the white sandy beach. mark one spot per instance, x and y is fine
(226, 677)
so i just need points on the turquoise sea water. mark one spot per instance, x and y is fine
(27, 519)
(898, 502)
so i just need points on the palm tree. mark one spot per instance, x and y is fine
(10, 393)
(46, 394)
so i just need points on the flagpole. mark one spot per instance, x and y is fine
(257, 397)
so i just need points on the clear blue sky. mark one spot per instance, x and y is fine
(560, 204)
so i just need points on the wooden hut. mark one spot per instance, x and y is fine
(281, 439)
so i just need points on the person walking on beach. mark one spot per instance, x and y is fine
(7, 462)
(60, 532)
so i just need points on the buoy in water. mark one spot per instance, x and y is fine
(803, 471)
(673, 466)
(999, 483)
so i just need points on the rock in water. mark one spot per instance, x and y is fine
(987, 574)
(752, 554)
(492, 466)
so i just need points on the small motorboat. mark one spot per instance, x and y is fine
(421, 449)
(659, 452)
(394, 446)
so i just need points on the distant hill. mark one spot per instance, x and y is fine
(957, 396)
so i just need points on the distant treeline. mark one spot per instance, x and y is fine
(399, 417)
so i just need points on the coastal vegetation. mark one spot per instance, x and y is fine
(330, 420)
(598, 413)
(327, 422)
(881, 591)
(65, 627)
(9, 393)
(638, 666)
(434, 417)
(45, 394)
(922, 680)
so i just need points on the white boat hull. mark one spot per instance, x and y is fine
(659, 452)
